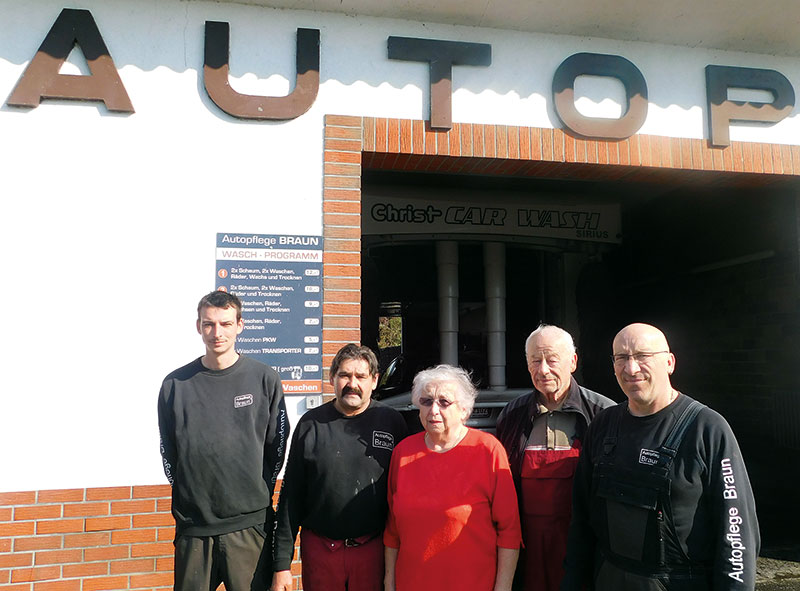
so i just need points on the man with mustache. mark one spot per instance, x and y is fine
(335, 483)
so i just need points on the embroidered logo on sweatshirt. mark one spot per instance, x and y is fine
(382, 439)
(649, 457)
(243, 400)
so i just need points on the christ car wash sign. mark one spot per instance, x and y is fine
(279, 280)
(588, 222)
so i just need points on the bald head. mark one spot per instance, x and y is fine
(643, 365)
(644, 333)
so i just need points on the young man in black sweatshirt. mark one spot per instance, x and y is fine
(223, 430)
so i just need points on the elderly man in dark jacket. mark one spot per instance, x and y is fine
(542, 433)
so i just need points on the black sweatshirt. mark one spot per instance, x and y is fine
(223, 440)
(335, 479)
(712, 501)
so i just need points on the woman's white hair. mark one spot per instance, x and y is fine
(446, 374)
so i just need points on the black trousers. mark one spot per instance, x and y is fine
(240, 559)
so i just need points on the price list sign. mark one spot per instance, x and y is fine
(279, 280)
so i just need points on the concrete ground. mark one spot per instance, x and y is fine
(779, 569)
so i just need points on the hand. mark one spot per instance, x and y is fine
(389, 561)
(281, 581)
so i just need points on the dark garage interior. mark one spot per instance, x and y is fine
(710, 259)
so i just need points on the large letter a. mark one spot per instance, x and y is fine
(42, 80)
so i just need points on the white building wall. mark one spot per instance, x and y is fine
(109, 221)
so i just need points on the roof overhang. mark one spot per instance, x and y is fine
(766, 27)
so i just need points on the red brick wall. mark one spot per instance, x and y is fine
(86, 539)
(476, 148)
(341, 230)
(89, 539)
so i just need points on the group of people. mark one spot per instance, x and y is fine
(575, 491)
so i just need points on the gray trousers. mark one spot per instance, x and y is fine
(240, 559)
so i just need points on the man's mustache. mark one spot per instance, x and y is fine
(348, 390)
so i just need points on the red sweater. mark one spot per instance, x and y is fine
(448, 513)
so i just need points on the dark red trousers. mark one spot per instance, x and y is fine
(339, 565)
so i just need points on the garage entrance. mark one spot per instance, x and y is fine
(703, 260)
(710, 259)
(708, 251)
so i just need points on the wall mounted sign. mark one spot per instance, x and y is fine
(41, 78)
(441, 56)
(74, 27)
(722, 110)
(279, 280)
(247, 106)
(397, 215)
(596, 64)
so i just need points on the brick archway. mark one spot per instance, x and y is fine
(356, 143)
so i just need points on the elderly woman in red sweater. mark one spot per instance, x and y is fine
(453, 519)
